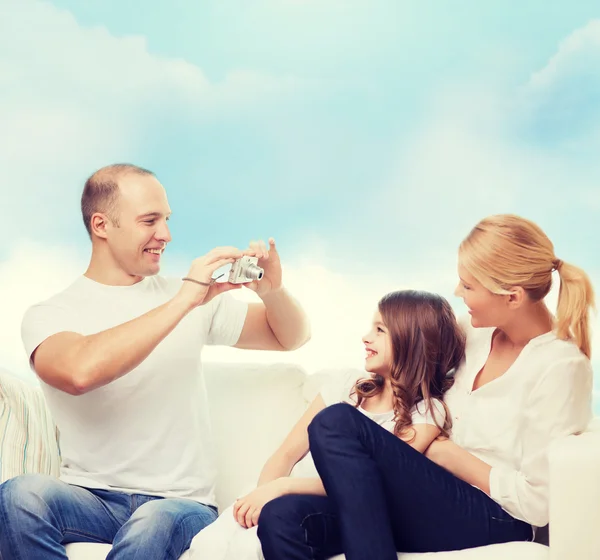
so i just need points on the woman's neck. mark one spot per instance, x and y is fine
(531, 323)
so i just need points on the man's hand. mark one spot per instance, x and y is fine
(202, 270)
(247, 510)
(268, 260)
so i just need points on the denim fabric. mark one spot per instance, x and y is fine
(382, 497)
(40, 514)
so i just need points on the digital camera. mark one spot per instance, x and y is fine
(245, 270)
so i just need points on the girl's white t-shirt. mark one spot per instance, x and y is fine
(339, 390)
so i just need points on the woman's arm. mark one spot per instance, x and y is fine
(460, 463)
(558, 406)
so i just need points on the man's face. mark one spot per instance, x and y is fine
(142, 211)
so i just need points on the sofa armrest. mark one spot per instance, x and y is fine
(575, 497)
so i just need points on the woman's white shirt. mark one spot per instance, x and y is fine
(510, 422)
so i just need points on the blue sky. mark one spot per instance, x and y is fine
(367, 137)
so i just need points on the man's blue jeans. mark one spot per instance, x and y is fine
(383, 496)
(40, 514)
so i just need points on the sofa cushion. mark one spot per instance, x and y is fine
(93, 551)
(252, 409)
(504, 551)
(28, 436)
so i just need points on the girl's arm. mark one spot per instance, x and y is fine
(293, 448)
(274, 478)
(424, 435)
(424, 419)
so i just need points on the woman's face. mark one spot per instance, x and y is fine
(486, 309)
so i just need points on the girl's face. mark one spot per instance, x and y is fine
(378, 345)
(486, 308)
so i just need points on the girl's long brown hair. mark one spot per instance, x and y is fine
(427, 345)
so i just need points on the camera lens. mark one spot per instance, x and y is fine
(254, 272)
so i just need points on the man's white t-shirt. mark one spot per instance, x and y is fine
(147, 432)
(339, 390)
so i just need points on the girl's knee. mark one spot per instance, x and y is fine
(336, 417)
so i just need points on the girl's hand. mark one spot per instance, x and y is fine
(246, 510)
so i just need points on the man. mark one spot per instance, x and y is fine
(118, 356)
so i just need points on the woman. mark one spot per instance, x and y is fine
(525, 381)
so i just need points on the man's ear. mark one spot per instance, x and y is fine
(516, 297)
(98, 225)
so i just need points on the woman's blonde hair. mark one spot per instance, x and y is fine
(505, 251)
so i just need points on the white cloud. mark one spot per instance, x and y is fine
(73, 98)
(577, 53)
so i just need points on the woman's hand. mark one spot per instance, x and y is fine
(246, 510)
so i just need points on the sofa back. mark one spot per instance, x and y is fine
(252, 408)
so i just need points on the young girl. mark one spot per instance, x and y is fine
(413, 344)
(525, 381)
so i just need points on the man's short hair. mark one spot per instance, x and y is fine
(101, 192)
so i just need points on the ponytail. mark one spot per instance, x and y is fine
(575, 298)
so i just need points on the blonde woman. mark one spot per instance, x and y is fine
(525, 381)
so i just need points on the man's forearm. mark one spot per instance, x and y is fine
(105, 356)
(287, 319)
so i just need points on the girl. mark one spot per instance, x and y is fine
(413, 344)
(525, 381)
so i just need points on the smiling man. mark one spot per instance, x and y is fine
(118, 357)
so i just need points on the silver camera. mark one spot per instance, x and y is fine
(245, 270)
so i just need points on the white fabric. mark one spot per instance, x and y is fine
(226, 539)
(510, 422)
(253, 408)
(575, 496)
(244, 446)
(149, 431)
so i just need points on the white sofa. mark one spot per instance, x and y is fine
(254, 406)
